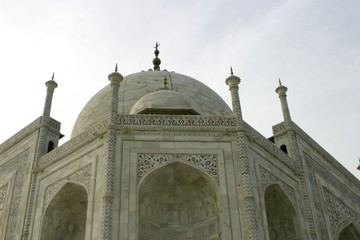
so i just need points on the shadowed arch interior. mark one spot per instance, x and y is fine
(177, 202)
(65, 217)
(281, 216)
(349, 233)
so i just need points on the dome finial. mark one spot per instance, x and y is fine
(279, 82)
(52, 78)
(116, 68)
(231, 71)
(157, 60)
(165, 83)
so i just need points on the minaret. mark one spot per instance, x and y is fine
(233, 82)
(294, 153)
(48, 139)
(156, 60)
(244, 177)
(115, 78)
(50, 85)
(110, 154)
(281, 90)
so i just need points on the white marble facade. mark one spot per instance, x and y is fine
(161, 171)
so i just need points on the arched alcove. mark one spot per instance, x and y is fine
(284, 148)
(281, 216)
(177, 201)
(65, 217)
(51, 146)
(349, 233)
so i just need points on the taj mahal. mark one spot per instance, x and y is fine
(158, 155)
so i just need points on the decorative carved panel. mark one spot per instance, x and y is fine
(207, 162)
(17, 165)
(268, 178)
(338, 211)
(82, 175)
(3, 191)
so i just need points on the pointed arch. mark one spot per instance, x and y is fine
(65, 217)
(177, 201)
(281, 216)
(348, 231)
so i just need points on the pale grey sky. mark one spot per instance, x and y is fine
(312, 45)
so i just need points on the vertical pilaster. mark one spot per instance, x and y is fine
(110, 148)
(294, 152)
(40, 151)
(245, 183)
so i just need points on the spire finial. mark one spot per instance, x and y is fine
(52, 78)
(231, 71)
(116, 68)
(157, 60)
(279, 82)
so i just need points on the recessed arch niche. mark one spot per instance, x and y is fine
(349, 233)
(281, 216)
(177, 201)
(65, 217)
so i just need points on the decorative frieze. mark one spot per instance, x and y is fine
(338, 211)
(267, 178)
(82, 175)
(175, 120)
(207, 162)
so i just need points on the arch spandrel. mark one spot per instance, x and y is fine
(147, 163)
(348, 231)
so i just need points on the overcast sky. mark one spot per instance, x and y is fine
(312, 45)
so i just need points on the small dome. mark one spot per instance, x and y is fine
(189, 92)
(165, 102)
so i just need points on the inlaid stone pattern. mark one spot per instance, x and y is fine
(207, 162)
(268, 178)
(175, 120)
(17, 165)
(3, 190)
(82, 175)
(338, 211)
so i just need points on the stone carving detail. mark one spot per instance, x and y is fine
(52, 123)
(338, 211)
(20, 135)
(82, 175)
(71, 145)
(268, 178)
(266, 144)
(3, 191)
(175, 120)
(278, 128)
(207, 162)
(18, 165)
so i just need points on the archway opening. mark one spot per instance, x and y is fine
(51, 146)
(65, 217)
(284, 148)
(177, 202)
(281, 216)
(349, 233)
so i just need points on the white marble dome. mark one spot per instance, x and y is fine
(135, 86)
